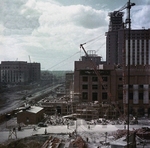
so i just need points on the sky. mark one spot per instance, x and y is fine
(50, 31)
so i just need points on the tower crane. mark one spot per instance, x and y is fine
(127, 6)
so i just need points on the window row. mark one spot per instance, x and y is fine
(94, 79)
(94, 96)
(94, 87)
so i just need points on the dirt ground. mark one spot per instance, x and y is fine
(29, 142)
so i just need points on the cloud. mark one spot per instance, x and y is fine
(16, 19)
(10, 49)
(62, 29)
(140, 16)
(51, 31)
(89, 18)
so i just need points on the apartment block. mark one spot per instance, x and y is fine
(19, 72)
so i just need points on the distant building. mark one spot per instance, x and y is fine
(34, 72)
(19, 72)
(30, 115)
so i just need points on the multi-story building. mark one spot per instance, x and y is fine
(34, 72)
(19, 72)
(117, 44)
(109, 85)
(117, 39)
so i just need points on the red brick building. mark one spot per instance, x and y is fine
(31, 115)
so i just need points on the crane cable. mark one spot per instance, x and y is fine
(64, 60)
(94, 39)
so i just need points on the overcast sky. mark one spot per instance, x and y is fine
(50, 31)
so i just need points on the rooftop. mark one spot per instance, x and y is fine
(34, 109)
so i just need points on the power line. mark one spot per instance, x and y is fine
(64, 60)
(100, 47)
(94, 38)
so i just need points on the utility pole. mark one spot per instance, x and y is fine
(128, 21)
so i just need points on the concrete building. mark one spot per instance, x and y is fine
(19, 72)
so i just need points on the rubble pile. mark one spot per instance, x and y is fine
(121, 133)
(52, 142)
(28, 142)
(143, 133)
(79, 143)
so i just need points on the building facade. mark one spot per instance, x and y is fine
(137, 92)
(108, 83)
(117, 39)
(31, 115)
(19, 72)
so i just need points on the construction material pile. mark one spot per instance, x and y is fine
(143, 133)
(78, 142)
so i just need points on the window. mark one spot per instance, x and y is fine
(120, 79)
(84, 86)
(94, 86)
(120, 96)
(120, 86)
(85, 96)
(94, 79)
(130, 96)
(140, 86)
(140, 96)
(94, 96)
(105, 79)
(104, 87)
(84, 79)
(104, 95)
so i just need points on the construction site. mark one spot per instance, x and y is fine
(103, 103)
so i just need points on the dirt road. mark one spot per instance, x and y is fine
(15, 97)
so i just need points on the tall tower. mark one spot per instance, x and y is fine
(116, 21)
(122, 47)
(115, 24)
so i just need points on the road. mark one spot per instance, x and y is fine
(95, 134)
(11, 100)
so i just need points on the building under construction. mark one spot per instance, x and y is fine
(107, 82)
